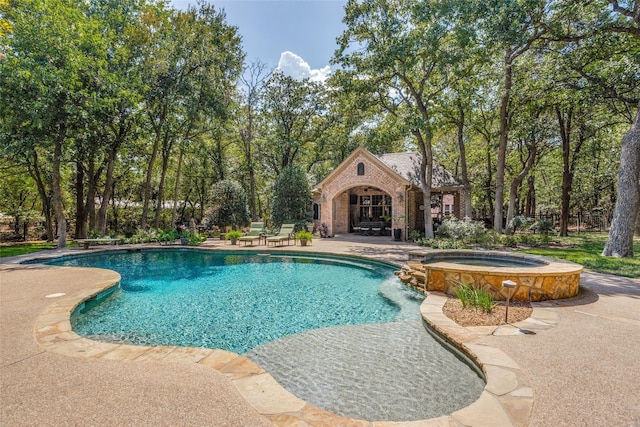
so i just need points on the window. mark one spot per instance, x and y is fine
(447, 209)
(360, 168)
(316, 211)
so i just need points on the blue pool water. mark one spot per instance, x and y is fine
(236, 301)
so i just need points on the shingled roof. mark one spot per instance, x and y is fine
(407, 165)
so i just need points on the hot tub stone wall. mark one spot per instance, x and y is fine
(549, 282)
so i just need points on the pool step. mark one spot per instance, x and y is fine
(414, 275)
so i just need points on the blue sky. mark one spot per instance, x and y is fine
(306, 29)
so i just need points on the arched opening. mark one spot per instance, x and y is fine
(370, 210)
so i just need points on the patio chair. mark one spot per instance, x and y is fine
(365, 228)
(255, 233)
(376, 229)
(285, 233)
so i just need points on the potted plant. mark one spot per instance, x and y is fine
(304, 236)
(233, 236)
(183, 233)
(397, 231)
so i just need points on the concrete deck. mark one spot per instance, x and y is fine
(579, 368)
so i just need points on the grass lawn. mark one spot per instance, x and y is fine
(14, 249)
(585, 249)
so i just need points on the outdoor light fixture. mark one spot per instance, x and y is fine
(508, 284)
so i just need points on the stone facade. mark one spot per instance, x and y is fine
(554, 280)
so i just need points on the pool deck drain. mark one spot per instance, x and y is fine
(507, 400)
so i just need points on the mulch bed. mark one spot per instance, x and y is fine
(518, 310)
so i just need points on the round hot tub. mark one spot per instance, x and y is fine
(537, 278)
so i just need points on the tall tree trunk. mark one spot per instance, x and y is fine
(489, 183)
(176, 187)
(167, 144)
(517, 181)
(120, 133)
(92, 191)
(502, 148)
(81, 216)
(101, 216)
(463, 163)
(147, 183)
(56, 200)
(426, 176)
(530, 206)
(620, 241)
(45, 198)
(569, 163)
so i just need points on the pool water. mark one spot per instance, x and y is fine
(344, 335)
(234, 301)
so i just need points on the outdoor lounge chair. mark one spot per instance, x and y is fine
(255, 233)
(285, 233)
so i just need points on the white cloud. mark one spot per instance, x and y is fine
(294, 66)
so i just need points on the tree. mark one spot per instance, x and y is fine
(291, 197)
(252, 86)
(289, 107)
(228, 205)
(602, 41)
(46, 87)
(192, 60)
(513, 27)
(405, 54)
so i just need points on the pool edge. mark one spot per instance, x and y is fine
(500, 402)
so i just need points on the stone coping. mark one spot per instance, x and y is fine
(507, 399)
(546, 266)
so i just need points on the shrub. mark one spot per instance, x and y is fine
(464, 292)
(475, 297)
(467, 230)
(416, 236)
(292, 200)
(196, 239)
(229, 205)
(520, 222)
(484, 300)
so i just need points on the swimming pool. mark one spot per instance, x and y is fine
(343, 334)
(234, 301)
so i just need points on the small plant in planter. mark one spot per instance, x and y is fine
(304, 236)
(233, 236)
(196, 239)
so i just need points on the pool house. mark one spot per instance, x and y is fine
(375, 194)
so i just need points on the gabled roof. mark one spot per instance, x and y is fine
(407, 165)
(361, 151)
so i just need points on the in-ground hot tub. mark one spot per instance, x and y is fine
(537, 278)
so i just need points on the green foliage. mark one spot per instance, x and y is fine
(416, 236)
(519, 222)
(233, 235)
(467, 230)
(292, 200)
(196, 239)
(464, 292)
(304, 235)
(228, 205)
(442, 243)
(472, 297)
